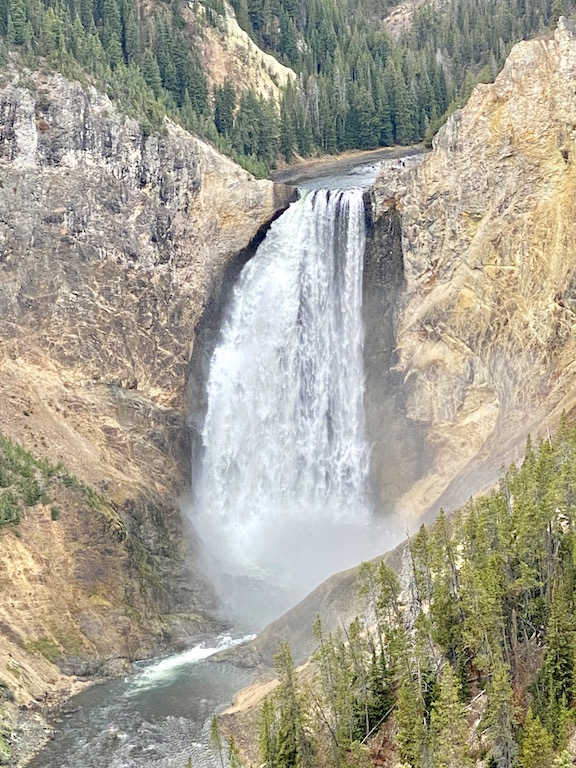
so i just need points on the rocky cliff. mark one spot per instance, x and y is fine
(484, 331)
(228, 53)
(112, 244)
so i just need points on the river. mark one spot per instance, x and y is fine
(158, 716)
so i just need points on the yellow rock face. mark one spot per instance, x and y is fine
(229, 53)
(486, 339)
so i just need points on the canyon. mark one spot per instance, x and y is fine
(113, 244)
(117, 254)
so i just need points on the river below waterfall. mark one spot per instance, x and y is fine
(159, 716)
(314, 458)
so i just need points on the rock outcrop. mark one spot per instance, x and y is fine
(485, 343)
(229, 53)
(112, 244)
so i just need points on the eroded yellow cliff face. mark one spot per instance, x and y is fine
(112, 243)
(229, 53)
(486, 337)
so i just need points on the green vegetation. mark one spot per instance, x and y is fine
(26, 481)
(23, 481)
(5, 754)
(57, 643)
(486, 613)
(46, 646)
(146, 59)
(359, 88)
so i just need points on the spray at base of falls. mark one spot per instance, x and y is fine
(282, 489)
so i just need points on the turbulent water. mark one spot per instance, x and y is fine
(159, 716)
(282, 490)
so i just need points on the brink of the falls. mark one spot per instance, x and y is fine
(281, 491)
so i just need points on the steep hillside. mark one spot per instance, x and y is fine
(112, 243)
(484, 326)
(229, 54)
(352, 75)
(456, 650)
(158, 60)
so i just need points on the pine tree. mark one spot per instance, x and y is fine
(293, 746)
(501, 719)
(267, 144)
(19, 30)
(151, 73)
(448, 726)
(224, 106)
(216, 739)
(268, 735)
(536, 745)
(233, 754)
(554, 687)
(411, 730)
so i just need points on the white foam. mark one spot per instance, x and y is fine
(164, 671)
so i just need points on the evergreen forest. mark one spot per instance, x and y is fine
(357, 87)
(469, 654)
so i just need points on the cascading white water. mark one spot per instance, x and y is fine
(283, 484)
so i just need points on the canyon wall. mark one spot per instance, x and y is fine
(485, 344)
(112, 244)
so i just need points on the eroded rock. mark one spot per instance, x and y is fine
(485, 339)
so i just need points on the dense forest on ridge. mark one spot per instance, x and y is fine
(472, 656)
(357, 87)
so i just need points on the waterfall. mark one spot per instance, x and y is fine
(282, 489)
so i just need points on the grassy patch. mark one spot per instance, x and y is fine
(70, 641)
(14, 670)
(5, 757)
(26, 481)
(5, 692)
(46, 646)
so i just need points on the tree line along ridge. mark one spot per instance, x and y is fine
(357, 86)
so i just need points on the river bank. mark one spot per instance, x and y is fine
(337, 165)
